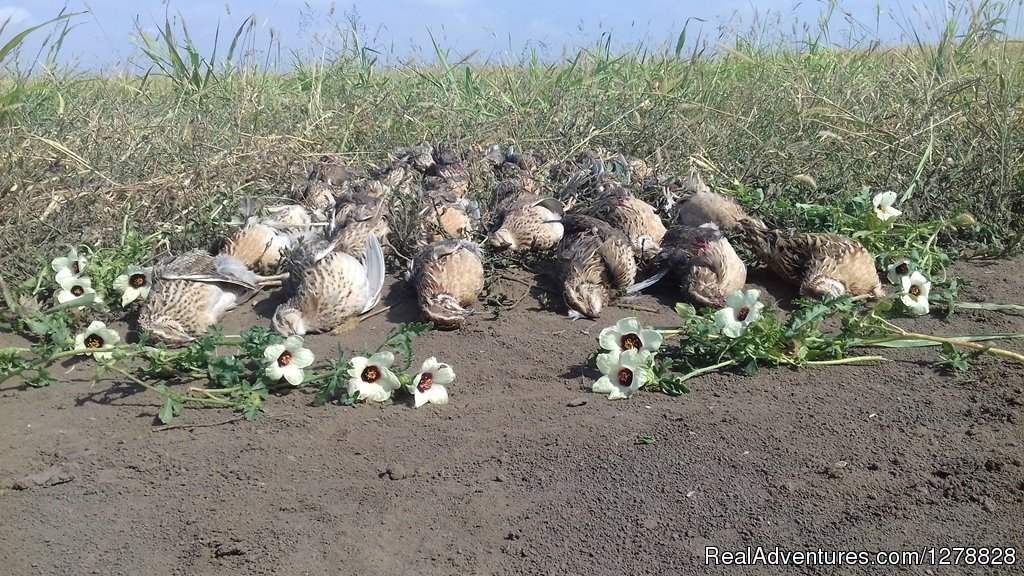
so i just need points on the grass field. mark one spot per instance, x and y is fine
(800, 120)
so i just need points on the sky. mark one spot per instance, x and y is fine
(106, 36)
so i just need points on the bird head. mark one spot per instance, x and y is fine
(587, 299)
(502, 239)
(445, 312)
(288, 321)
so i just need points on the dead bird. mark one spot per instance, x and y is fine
(419, 157)
(529, 223)
(318, 196)
(630, 169)
(328, 287)
(820, 264)
(444, 216)
(703, 261)
(394, 177)
(194, 290)
(448, 277)
(513, 169)
(333, 171)
(357, 216)
(262, 242)
(595, 263)
(637, 219)
(690, 202)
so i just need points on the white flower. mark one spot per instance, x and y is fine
(429, 384)
(371, 378)
(915, 293)
(73, 287)
(97, 335)
(624, 373)
(287, 360)
(741, 310)
(899, 269)
(133, 284)
(883, 206)
(628, 334)
(68, 266)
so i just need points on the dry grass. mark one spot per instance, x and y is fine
(815, 125)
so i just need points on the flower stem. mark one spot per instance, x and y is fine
(135, 380)
(706, 370)
(13, 350)
(905, 335)
(850, 360)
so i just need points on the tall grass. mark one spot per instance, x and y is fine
(789, 113)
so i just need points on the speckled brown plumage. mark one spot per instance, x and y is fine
(595, 262)
(262, 242)
(356, 217)
(820, 264)
(420, 157)
(448, 277)
(443, 217)
(704, 262)
(194, 290)
(530, 223)
(332, 170)
(638, 220)
(329, 287)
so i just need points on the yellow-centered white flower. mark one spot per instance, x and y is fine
(741, 310)
(899, 269)
(133, 284)
(96, 336)
(429, 384)
(915, 293)
(371, 378)
(629, 334)
(68, 266)
(286, 360)
(623, 373)
(882, 204)
(74, 287)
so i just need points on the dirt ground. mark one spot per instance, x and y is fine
(526, 471)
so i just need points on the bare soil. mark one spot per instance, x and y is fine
(526, 471)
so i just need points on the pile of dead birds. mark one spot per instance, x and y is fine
(327, 248)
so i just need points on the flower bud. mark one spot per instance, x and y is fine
(965, 220)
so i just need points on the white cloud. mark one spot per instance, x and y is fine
(13, 15)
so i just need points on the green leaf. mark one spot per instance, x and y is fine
(226, 371)
(168, 411)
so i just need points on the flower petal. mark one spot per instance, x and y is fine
(368, 391)
(302, 358)
(121, 283)
(273, 352)
(274, 371)
(437, 394)
(293, 374)
(443, 374)
(419, 398)
(735, 300)
(651, 338)
(382, 359)
(603, 385)
(630, 325)
(608, 362)
(884, 199)
(915, 306)
(388, 380)
(618, 392)
(609, 338)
